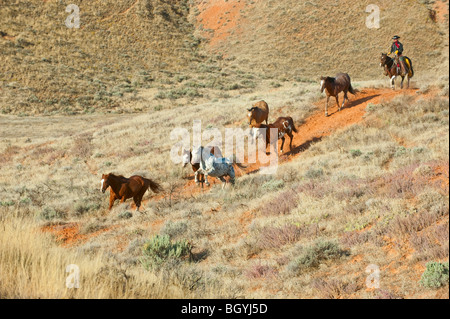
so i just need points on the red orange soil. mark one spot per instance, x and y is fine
(69, 234)
(221, 16)
(318, 126)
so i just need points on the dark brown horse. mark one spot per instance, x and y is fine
(124, 188)
(284, 125)
(392, 70)
(333, 86)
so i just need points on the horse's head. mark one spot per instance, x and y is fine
(384, 59)
(186, 157)
(250, 115)
(323, 80)
(105, 182)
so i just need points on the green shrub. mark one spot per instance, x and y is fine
(314, 173)
(125, 215)
(49, 213)
(435, 276)
(355, 153)
(160, 249)
(273, 184)
(80, 208)
(313, 255)
(174, 229)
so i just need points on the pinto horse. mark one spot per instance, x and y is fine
(187, 158)
(391, 69)
(124, 188)
(212, 164)
(284, 126)
(333, 86)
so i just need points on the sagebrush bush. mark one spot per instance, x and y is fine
(160, 249)
(313, 255)
(50, 213)
(174, 229)
(436, 275)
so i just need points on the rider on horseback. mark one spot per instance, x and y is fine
(397, 49)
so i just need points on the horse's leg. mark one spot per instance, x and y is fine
(345, 98)
(112, 199)
(223, 180)
(138, 198)
(206, 179)
(408, 81)
(337, 102)
(326, 105)
(232, 175)
(282, 143)
(401, 84)
(393, 81)
(137, 202)
(196, 177)
(290, 142)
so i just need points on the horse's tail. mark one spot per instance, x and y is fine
(155, 187)
(235, 162)
(293, 127)
(352, 90)
(411, 66)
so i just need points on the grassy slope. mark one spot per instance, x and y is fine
(161, 48)
(308, 39)
(376, 190)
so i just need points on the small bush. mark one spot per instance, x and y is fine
(355, 153)
(273, 184)
(261, 271)
(275, 237)
(435, 276)
(174, 229)
(81, 208)
(125, 215)
(313, 255)
(49, 213)
(160, 249)
(334, 288)
(314, 173)
(281, 205)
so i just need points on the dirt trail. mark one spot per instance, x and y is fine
(316, 127)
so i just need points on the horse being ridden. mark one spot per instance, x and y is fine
(333, 86)
(391, 69)
(124, 188)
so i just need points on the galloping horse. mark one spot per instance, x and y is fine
(333, 86)
(392, 70)
(210, 165)
(187, 158)
(124, 188)
(284, 126)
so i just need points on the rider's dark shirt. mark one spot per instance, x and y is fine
(395, 48)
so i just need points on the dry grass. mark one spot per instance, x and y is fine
(370, 193)
(264, 228)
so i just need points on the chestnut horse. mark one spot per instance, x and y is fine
(124, 188)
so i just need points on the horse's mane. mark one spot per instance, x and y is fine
(118, 176)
